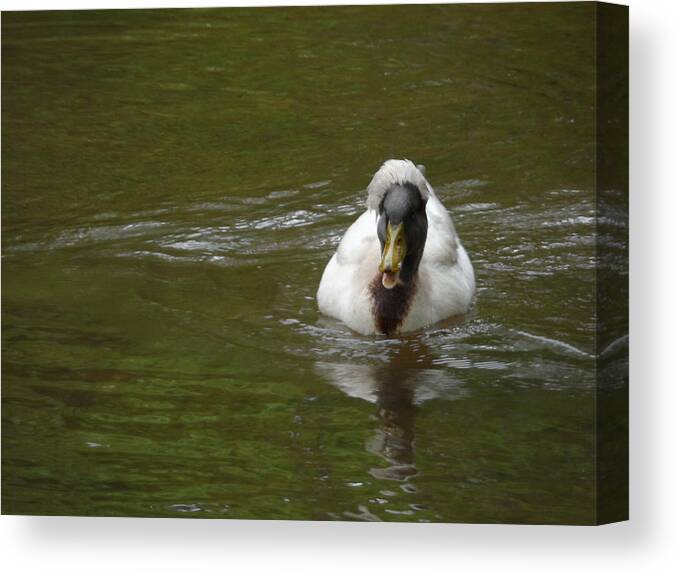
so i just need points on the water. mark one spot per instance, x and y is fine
(174, 183)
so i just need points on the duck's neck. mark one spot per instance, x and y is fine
(390, 306)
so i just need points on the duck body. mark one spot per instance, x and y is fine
(400, 266)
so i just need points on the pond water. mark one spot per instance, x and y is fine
(173, 184)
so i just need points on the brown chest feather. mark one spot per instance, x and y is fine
(390, 306)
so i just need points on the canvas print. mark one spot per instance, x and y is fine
(359, 263)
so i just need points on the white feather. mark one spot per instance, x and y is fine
(445, 279)
(394, 172)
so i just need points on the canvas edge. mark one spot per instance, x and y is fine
(612, 263)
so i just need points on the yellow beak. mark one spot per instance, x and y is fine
(394, 249)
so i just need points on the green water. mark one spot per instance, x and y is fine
(173, 183)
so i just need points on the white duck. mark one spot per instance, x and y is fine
(400, 266)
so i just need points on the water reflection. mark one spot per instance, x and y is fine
(398, 387)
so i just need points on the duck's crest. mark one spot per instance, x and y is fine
(396, 172)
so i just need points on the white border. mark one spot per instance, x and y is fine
(646, 544)
(105, 4)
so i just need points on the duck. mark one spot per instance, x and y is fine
(400, 267)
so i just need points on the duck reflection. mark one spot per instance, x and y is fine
(395, 385)
(405, 380)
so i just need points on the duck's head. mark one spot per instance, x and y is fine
(402, 227)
